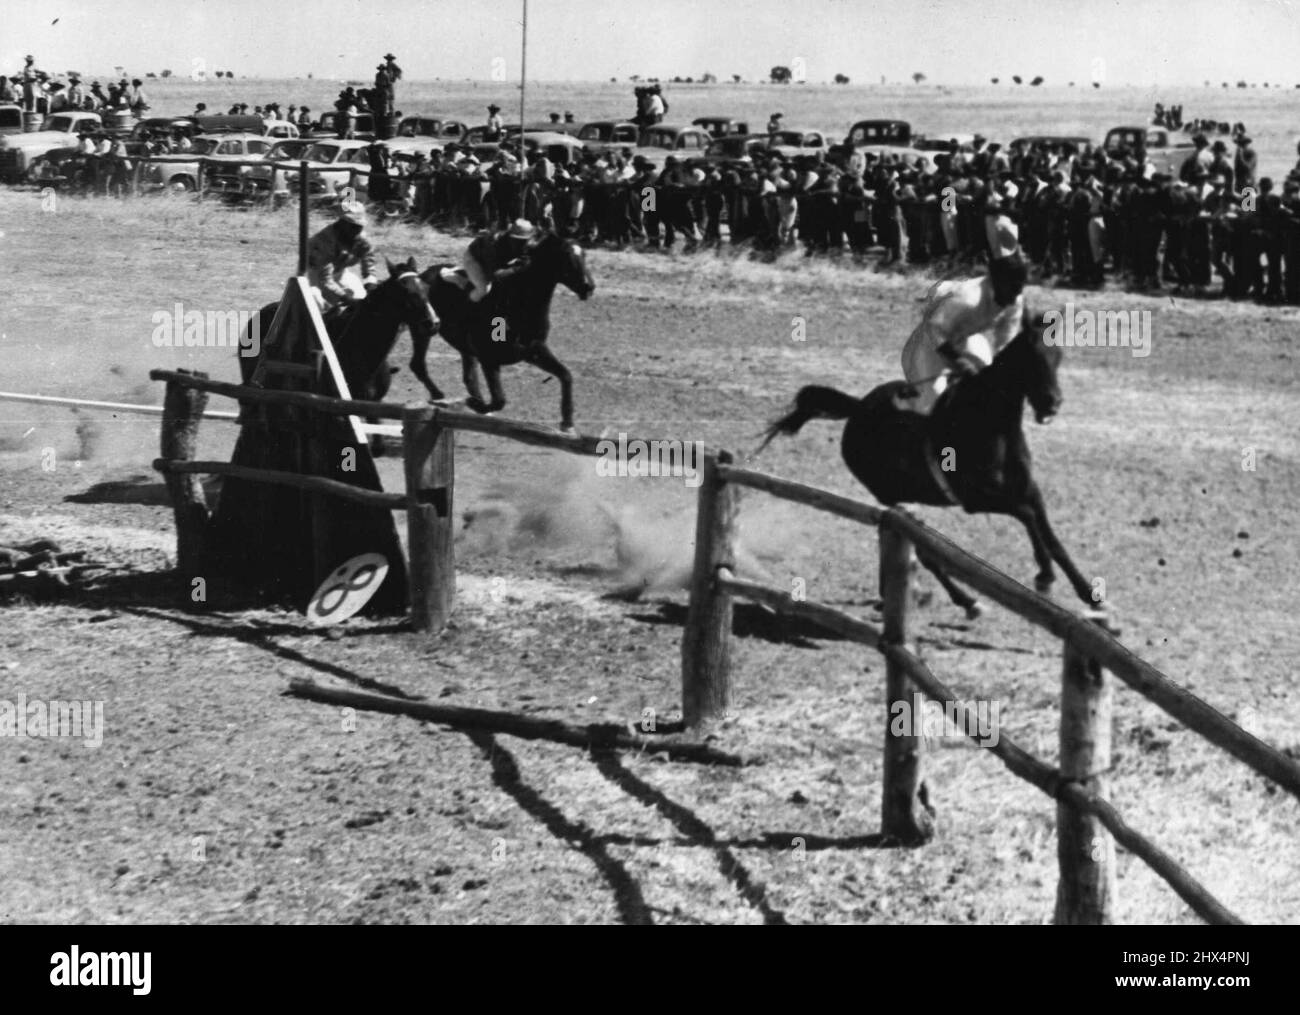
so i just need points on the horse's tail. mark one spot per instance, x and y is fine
(812, 402)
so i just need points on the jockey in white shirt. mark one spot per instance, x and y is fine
(967, 321)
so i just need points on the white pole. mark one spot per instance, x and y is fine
(81, 403)
(523, 84)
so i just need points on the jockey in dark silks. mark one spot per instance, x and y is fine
(489, 255)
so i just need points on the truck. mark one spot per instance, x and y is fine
(60, 130)
(1167, 152)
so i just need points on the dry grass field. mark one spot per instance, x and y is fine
(216, 798)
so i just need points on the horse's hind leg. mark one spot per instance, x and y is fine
(956, 593)
(543, 358)
(469, 374)
(492, 371)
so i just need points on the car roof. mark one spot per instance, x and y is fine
(237, 135)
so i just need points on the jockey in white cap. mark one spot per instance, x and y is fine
(339, 246)
(488, 254)
(966, 322)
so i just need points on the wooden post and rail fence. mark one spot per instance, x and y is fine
(1086, 820)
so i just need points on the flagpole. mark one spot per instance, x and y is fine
(523, 84)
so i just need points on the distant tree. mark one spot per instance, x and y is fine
(1096, 84)
(676, 80)
(150, 74)
(708, 79)
(166, 72)
(690, 81)
(841, 79)
(1225, 84)
(1207, 83)
(779, 75)
(635, 78)
(1071, 85)
(1036, 82)
(1016, 78)
(995, 80)
(918, 77)
(735, 80)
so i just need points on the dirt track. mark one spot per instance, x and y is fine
(216, 798)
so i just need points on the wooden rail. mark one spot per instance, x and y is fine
(1086, 857)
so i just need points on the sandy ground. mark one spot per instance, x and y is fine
(215, 798)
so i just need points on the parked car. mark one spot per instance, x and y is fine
(246, 124)
(431, 126)
(180, 171)
(877, 137)
(721, 126)
(330, 166)
(608, 135)
(790, 144)
(736, 151)
(59, 130)
(941, 144)
(11, 119)
(286, 154)
(688, 143)
(1165, 151)
(328, 126)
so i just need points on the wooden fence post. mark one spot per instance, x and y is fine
(182, 411)
(430, 461)
(706, 641)
(905, 813)
(1085, 851)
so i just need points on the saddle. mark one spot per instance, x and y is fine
(455, 276)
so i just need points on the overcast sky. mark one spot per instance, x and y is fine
(1142, 42)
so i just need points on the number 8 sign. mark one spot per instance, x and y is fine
(347, 589)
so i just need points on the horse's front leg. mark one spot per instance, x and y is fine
(542, 357)
(419, 350)
(958, 595)
(1055, 551)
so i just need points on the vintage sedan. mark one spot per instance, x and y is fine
(604, 136)
(736, 151)
(257, 180)
(431, 126)
(721, 126)
(330, 168)
(328, 126)
(1165, 151)
(688, 143)
(791, 144)
(180, 171)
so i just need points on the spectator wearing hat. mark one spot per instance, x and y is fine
(304, 118)
(339, 246)
(1221, 165)
(494, 124)
(568, 116)
(383, 102)
(1244, 163)
(774, 123)
(30, 83)
(390, 65)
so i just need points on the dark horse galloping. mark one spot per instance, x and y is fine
(364, 334)
(511, 324)
(894, 452)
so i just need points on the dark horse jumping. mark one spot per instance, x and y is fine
(364, 334)
(511, 324)
(976, 424)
